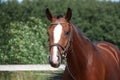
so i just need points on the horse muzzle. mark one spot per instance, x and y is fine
(55, 62)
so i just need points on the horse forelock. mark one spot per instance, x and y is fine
(59, 16)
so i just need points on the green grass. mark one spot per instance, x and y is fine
(31, 75)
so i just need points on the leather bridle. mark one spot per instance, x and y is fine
(64, 49)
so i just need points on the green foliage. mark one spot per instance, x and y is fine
(98, 20)
(27, 42)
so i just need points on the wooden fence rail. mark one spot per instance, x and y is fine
(29, 67)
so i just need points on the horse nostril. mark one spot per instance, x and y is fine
(50, 59)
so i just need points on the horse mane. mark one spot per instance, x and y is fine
(80, 33)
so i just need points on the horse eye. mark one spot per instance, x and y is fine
(67, 32)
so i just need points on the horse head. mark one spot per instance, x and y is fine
(59, 33)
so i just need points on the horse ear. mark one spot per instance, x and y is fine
(68, 14)
(48, 14)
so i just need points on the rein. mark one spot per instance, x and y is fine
(64, 49)
(70, 72)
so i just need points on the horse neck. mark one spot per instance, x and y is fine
(77, 59)
(81, 45)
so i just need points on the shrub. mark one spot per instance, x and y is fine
(27, 43)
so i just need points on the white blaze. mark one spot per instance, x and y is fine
(57, 35)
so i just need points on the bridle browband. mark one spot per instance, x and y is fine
(64, 49)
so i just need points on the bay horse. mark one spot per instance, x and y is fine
(84, 60)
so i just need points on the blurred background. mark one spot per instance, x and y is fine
(23, 31)
(23, 26)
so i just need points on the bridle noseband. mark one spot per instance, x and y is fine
(64, 49)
